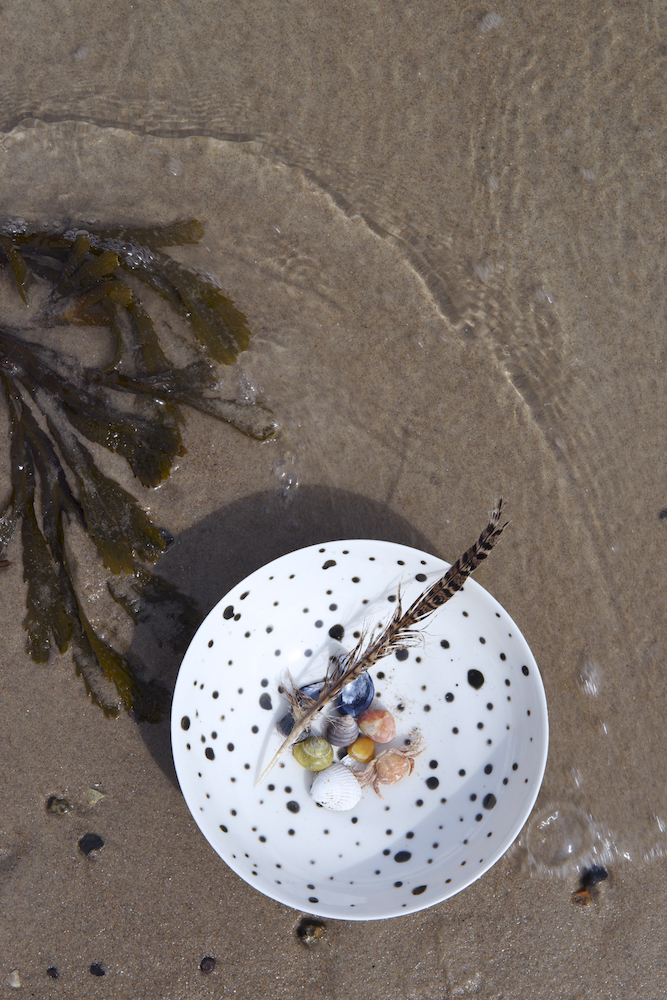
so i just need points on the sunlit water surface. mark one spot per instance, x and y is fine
(377, 392)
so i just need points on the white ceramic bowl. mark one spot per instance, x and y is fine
(472, 688)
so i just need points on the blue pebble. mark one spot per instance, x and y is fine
(356, 696)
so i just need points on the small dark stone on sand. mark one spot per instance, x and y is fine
(310, 931)
(57, 806)
(591, 876)
(91, 842)
(207, 964)
(96, 969)
(52, 972)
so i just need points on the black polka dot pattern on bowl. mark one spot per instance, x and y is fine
(472, 689)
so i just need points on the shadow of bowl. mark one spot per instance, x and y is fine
(210, 558)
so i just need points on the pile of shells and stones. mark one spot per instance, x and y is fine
(356, 730)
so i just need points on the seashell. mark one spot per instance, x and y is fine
(356, 696)
(336, 788)
(314, 753)
(378, 724)
(342, 730)
(362, 749)
(312, 690)
(286, 725)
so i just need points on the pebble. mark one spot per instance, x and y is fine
(13, 979)
(378, 724)
(363, 749)
(590, 877)
(97, 970)
(207, 964)
(57, 806)
(90, 842)
(310, 931)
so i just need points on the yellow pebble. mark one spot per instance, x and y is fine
(362, 749)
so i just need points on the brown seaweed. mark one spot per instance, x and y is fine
(132, 406)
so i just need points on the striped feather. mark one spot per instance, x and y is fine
(399, 633)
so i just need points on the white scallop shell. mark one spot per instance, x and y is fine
(336, 788)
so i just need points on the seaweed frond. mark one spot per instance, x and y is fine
(132, 406)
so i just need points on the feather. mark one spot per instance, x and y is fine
(400, 630)
(398, 633)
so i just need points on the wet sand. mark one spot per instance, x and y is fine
(445, 224)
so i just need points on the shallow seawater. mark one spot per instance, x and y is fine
(447, 237)
(376, 393)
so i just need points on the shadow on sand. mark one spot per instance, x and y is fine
(213, 556)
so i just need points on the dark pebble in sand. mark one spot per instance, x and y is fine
(310, 931)
(52, 972)
(97, 970)
(90, 842)
(57, 806)
(591, 876)
(207, 964)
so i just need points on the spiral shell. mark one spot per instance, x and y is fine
(342, 730)
(336, 788)
(314, 753)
